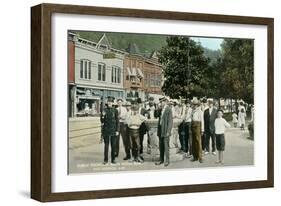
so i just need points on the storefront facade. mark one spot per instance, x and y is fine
(97, 72)
(142, 76)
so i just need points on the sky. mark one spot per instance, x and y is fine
(210, 43)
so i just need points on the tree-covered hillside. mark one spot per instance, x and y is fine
(213, 55)
(147, 43)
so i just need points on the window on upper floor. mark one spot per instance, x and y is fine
(85, 69)
(116, 74)
(101, 72)
(158, 80)
(154, 80)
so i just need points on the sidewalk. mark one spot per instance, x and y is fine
(86, 155)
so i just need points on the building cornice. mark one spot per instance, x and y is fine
(91, 46)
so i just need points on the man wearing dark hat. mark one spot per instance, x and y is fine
(110, 130)
(165, 124)
(210, 116)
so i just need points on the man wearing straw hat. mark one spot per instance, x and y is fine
(197, 128)
(134, 123)
(122, 113)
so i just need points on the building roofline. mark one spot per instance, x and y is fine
(94, 44)
(149, 60)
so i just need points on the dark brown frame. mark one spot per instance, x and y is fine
(41, 101)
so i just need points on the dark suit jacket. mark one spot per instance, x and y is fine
(143, 127)
(164, 130)
(148, 112)
(110, 122)
(157, 112)
(209, 120)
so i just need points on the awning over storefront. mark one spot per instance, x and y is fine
(81, 91)
(89, 97)
(140, 73)
(134, 72)
(129, 71)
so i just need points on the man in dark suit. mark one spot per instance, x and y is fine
(110, 128)
(165, 124)
(210, 116)
(143, 127)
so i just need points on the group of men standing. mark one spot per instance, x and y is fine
(197, 127)
(128, 121)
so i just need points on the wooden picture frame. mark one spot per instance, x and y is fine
(41, 171)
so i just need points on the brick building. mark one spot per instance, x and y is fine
(96, 71)
(142, 75)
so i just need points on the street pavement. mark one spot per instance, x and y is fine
(86, 152)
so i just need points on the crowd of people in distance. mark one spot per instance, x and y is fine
(201, 130)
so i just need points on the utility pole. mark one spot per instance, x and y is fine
(188, 70)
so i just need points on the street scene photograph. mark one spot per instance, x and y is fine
(141, 102)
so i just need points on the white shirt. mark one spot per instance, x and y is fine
(210, 110)
(187, 113)
(241, 107)
(122, 112)
(134, 121)
(197, 116)
(220, 125)
(162, 113)
(204, 107)
(140, 109)
(128, 116)
(176, 112)
(242, 116)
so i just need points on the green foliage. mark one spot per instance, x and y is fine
(147, 43)
(192, 70)
(184, 67)
(213, 55)
(238, 64)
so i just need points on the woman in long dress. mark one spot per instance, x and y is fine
(241, 106)
(242, 117)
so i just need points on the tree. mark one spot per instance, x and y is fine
(184, 67)
(238, 69)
